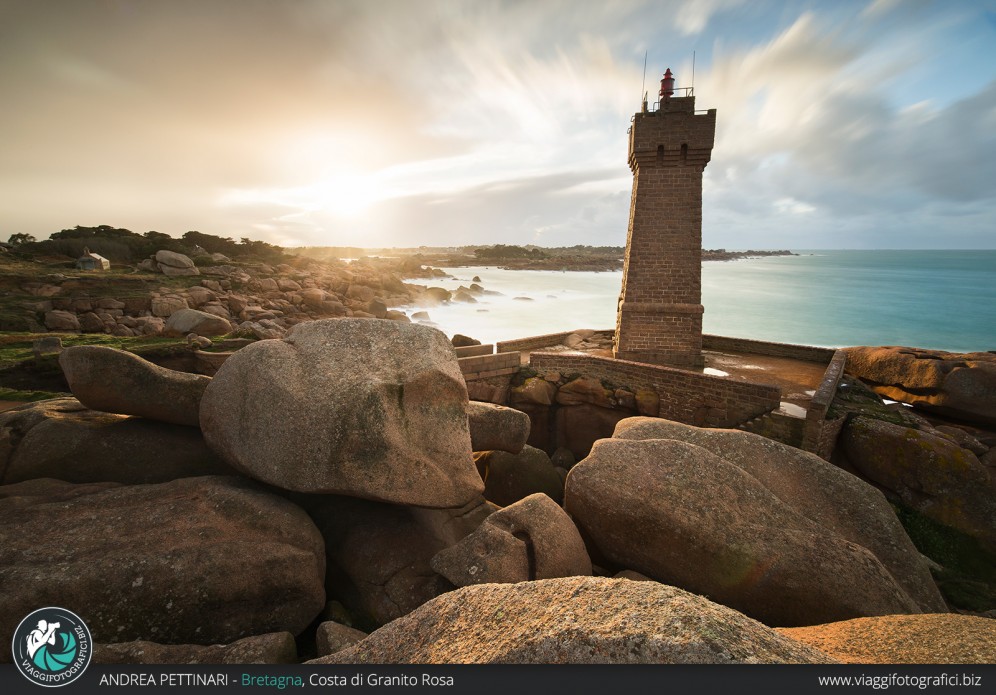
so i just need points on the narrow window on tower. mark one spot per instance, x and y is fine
(684, 152)
(660, 155)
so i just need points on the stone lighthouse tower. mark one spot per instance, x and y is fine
(659, 318)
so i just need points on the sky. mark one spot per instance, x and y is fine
(844, 124)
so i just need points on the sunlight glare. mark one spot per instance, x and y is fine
(340, 196)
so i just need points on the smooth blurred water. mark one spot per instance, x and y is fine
(933, 299)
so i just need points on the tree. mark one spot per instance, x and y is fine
(211, 243)
(18, 239)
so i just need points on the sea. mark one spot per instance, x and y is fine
(943, 300)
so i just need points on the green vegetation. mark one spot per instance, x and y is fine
(967, 577)
(853, 397)
(524, 373)
(125, 246)
(26, 396)
(501, 252)
(17, 347)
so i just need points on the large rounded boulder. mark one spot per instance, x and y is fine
(372, 409)
(683, 516)
(187, 321)
(823, 493)
(60, 438)
(927, 472)
(575, 620)
(379, 554)
(115, 381)
(509, 478)
(961, 386)
(531, 539)
(497, 427)
(194, 561)
(904, 639)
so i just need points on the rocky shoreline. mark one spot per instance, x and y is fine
(337, 482)
(724, 255)
(257, 300)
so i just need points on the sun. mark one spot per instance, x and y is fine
(344, 196)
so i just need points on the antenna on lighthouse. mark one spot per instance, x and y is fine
(693, 75)
(643, 89)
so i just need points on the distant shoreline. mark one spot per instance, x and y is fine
(601, 264)
(575, 258)
(724, 255)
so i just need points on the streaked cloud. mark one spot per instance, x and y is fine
(448, 122)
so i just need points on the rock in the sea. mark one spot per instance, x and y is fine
(961, 386)
(904, 639)
(195, 561)
(509, 478)
(274, 648)
(435, 295)
(332, 637)
(60, 438)
(927, 472)
(115, 381)
(675, 512)
(193, 321)
(531, 539)
(834, 499)
(496, 427)
(378, 554)
(374, 409)
(576, 620)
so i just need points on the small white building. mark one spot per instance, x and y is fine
(92, 261)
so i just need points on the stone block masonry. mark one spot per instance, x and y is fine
(804, 353)
(474, 350)
(820, 434)
(659, 319)
(532, 342)
(689, 397)
(488, 366)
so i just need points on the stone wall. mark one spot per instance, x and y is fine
(806, 353)
(488, 366)
(534, 342)
(474, 350)
(820, 434)
(778, 426)
(689, 397)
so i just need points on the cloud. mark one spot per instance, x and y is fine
(803, 128)
(693, 15)
(458, 122)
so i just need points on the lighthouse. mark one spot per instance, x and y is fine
(659, 316)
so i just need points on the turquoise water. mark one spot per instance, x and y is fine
(933, 299)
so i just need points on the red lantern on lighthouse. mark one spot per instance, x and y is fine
(667, 85)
